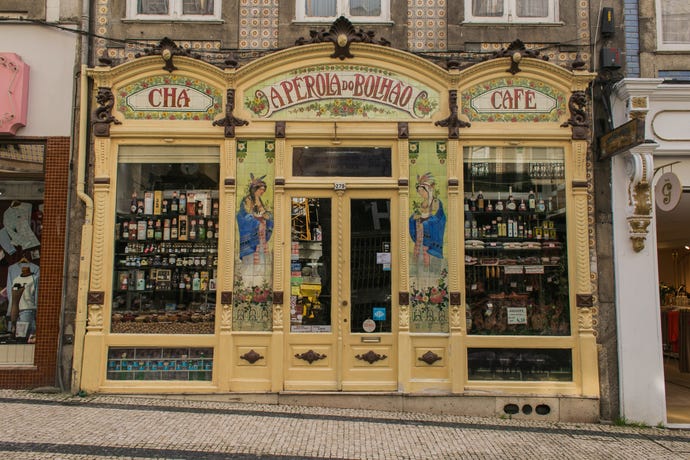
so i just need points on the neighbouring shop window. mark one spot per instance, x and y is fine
(511, 10)
(21, 224)
(356, 10)
(672, 24)
(253, 283)
(522, 364)
(174, 9)
(429, 297)
(166, 244)
(516, 275)
(126, 363)
(341, 161)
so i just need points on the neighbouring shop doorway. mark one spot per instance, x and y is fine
(673, 244)
(21, 209)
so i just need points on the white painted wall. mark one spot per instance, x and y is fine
(51, 55)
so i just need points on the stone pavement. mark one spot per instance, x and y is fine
(61, 426)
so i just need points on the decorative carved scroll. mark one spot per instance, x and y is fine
(640, 170)
(453, 123)
(342, 33)
(230, 121)
(371, 357)
(103, 114)
(579, 118)
(429, 357)
(310, 356)
(251, 356)
(516, 51)
(167, 49)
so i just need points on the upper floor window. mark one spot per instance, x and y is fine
(672, 24)
(355, 10)
(518, 11)
(196, 10)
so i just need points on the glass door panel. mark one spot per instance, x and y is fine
(310, 262)
(370, 265)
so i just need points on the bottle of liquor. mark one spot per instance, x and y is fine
(192, 230)
(158, 230)
(124, 233)
(165, 206)
(132, 229)
(480, 201)
(133, 204)
(531, 201)
(183, 203)
(522, 206)
(201, 229)
(149, 229)
(489, 206)
(467, 205)
(173, 228)
(174, 203)
(541, 206)
(166, 229)
(510, 204)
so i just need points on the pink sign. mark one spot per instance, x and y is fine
(14, 92)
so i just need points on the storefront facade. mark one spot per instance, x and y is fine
(36, 76)
(340, 219)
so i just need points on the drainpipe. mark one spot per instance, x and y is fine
(86, 240)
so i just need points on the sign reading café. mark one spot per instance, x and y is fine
(513, 100)
(352, 91)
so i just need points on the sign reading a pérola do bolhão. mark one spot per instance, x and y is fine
(341, 91)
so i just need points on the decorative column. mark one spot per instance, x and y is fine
(404, 342)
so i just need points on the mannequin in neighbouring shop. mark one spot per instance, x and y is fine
(17, 223)
(22, 297)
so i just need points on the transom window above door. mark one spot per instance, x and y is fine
(355, 10)
(162, 10)
(511, 11)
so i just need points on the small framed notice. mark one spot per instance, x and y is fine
(517, 315)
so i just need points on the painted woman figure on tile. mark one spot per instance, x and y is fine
(427, 229)
(255, 223)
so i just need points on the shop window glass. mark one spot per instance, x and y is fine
(516, 275)
(173, 9)
(21, 208)
(674, 16)
(521, 364)
(126, 363)
(358, 10)
(166, 246)
(511, 10)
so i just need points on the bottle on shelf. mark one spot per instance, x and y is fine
(173, 228)
(499, 203)
(522, 206)
(174, 203)
(133, 205)
(480, 201)
(149, 229)
(531, 201)
(201, 229)
(183, 203)
(510, 204)
(541, 206)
